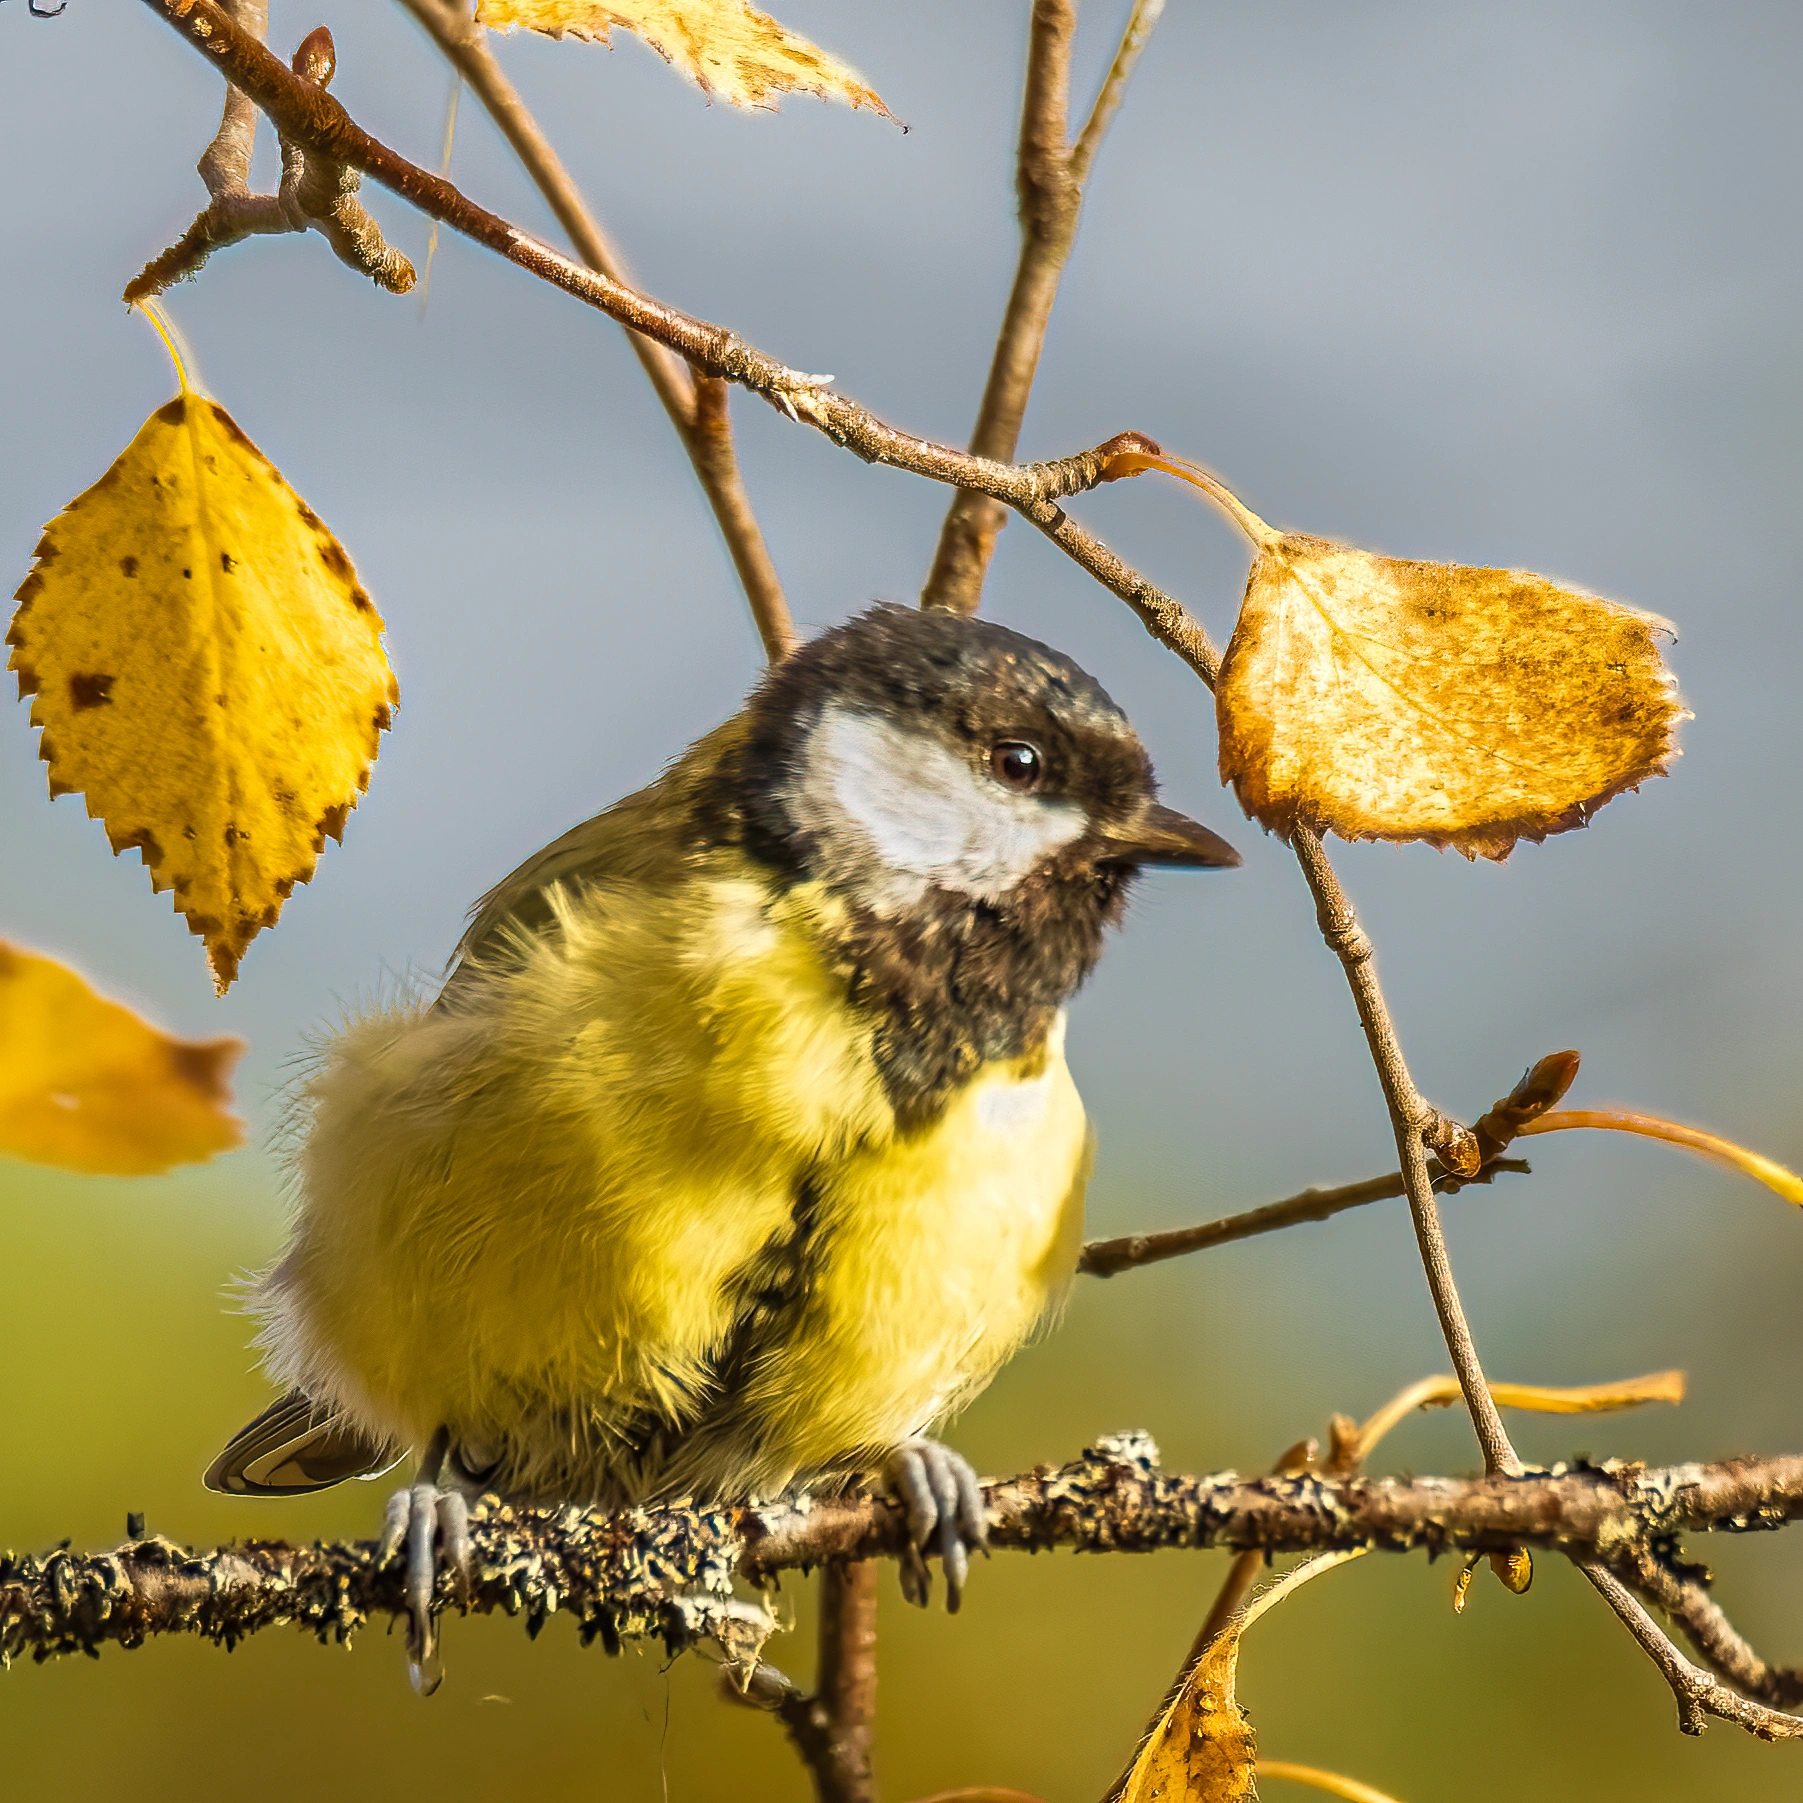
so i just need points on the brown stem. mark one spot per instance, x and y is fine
(1698, 1694)
(833, 1728)
(1108, 1258)
(847, 1683)
(700, 419)
(1683, 1595)
(317, 192)
(224, 165)
(1049, 179)
(1413, 1122)
(1541, 1087)
(316, 121)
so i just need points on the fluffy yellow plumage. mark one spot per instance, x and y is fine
(740, 1146)
(524, 1213)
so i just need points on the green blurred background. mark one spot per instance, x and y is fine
(1517, 287)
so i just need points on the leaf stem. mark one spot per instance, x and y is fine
(1761, 1169)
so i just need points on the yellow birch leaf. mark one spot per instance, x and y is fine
(725, 47)
(1385, 699)
(1380, 698)
(206, 669)
(1202, 1749)
(85, 1085)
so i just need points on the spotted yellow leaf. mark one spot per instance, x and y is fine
(88, 1086)
(728, 49)
(206, 669)
(1382, 698)
(1201, 1749)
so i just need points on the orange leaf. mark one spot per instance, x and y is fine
(85, 1085)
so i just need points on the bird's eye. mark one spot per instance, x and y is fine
(1016, 765)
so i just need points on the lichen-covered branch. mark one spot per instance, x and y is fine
(681, 1575)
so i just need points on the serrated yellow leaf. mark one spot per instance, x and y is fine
(88, 1086)
(1202, 1749)
(206, 669)
(728, 49)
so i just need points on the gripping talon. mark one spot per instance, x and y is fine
(454, 1539)
(422, 1578)
(943, 1503)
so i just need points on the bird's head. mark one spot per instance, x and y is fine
(912, 759)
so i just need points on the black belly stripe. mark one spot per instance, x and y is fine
(766, 1292)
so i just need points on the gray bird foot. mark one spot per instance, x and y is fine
(944, 1504)
(434, 1527)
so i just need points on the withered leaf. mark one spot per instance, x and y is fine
(1202, 1749)
(206, 669)
(86, 1085)
(1380, 698)
(727, 48)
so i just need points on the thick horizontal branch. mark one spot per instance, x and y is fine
(670, 1573)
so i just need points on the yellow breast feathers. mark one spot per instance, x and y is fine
(634, 1215)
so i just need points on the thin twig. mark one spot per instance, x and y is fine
(1108, 1258)
(1141, 23)
(1698, 1694)
(316, 120)
(1541, 1087)
(1684, 1596)
(846, 1686)
(698, 413)
(1414, 1123)
(1049, 179)
(831, 1729)
(316, 192)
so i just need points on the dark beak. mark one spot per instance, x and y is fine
(1164, 837)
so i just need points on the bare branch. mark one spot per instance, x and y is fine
(1141, 23)
(699, 416)
(1683, 1595)
(318, 192)
(1049, 178)
(1541, 1088)
(1415, 1124)
(1108, 1258)
(316, 121)
(1698, 1694)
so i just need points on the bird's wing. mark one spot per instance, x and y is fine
(291, 1448)
(640, 839)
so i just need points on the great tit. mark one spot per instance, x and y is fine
(739, 1148)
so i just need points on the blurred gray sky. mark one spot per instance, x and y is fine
(1511, 285)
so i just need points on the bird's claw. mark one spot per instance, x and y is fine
(943, 1501)
(434, 1527)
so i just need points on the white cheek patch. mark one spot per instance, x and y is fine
(907, 804)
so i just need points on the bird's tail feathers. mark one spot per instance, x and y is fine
(296, 1446)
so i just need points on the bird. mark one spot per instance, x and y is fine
(739, 1148)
